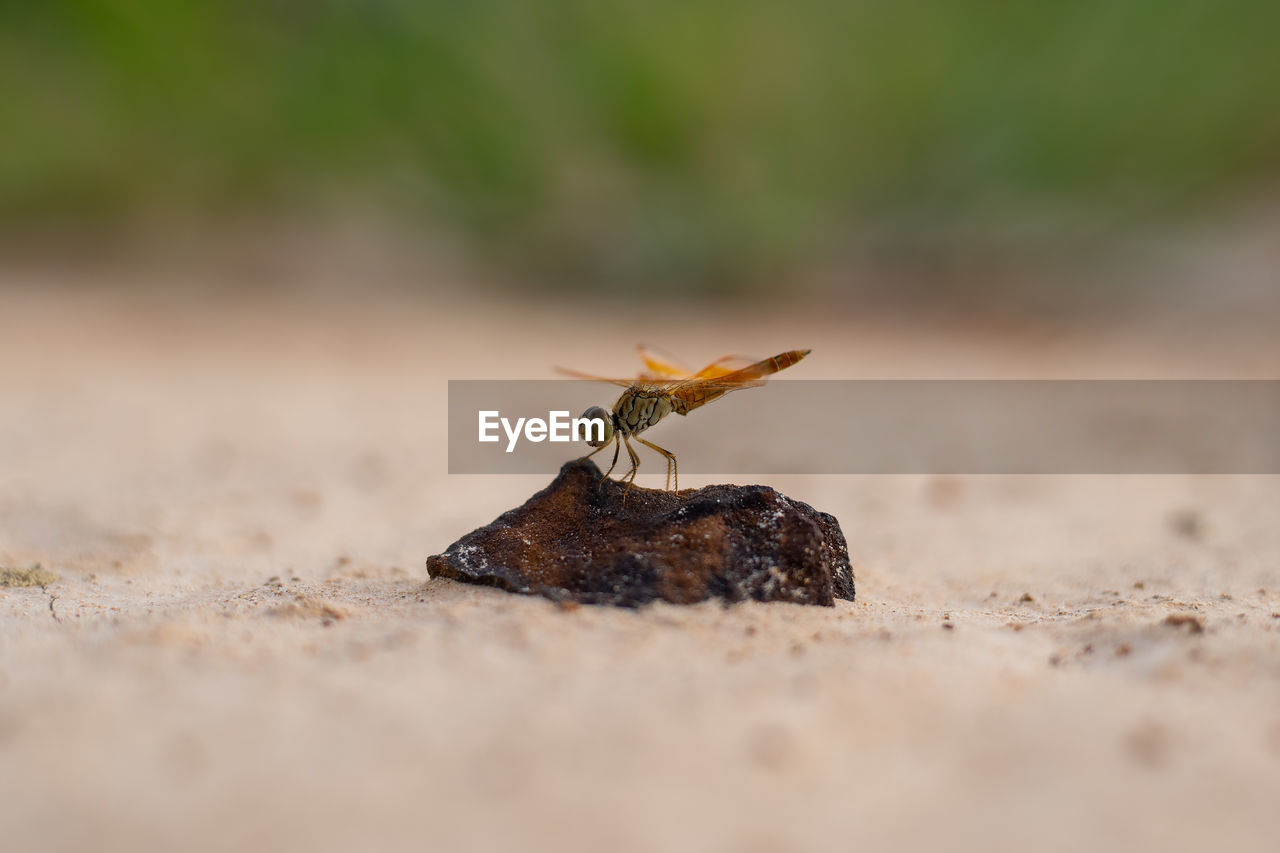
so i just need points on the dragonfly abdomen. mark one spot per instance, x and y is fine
(636, 411)
(691, 399)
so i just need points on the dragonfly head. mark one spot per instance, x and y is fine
(595, 413)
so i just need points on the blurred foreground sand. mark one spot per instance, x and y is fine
(238, 496)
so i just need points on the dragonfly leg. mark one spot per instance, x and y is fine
(612, 465)
(617, 446)
(673, 470)
(635, 468)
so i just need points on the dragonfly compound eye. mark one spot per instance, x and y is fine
(595, 413)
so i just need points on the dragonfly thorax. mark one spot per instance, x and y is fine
(639, 409)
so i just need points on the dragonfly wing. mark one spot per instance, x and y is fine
(696, 392)
(689, 395)
(763, 368)
(578, 374)
(660, 366)
(723, 366)
(687, 392)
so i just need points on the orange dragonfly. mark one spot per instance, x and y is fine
(667, 388)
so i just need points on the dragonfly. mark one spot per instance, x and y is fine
(665, 388)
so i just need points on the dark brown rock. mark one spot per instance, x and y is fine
(576, 540)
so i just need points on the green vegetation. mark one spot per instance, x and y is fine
(694, 141)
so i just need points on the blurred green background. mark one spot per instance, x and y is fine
(701, 145)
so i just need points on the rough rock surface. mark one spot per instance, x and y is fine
(576, 540)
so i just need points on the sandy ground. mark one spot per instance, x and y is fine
(242, 649)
